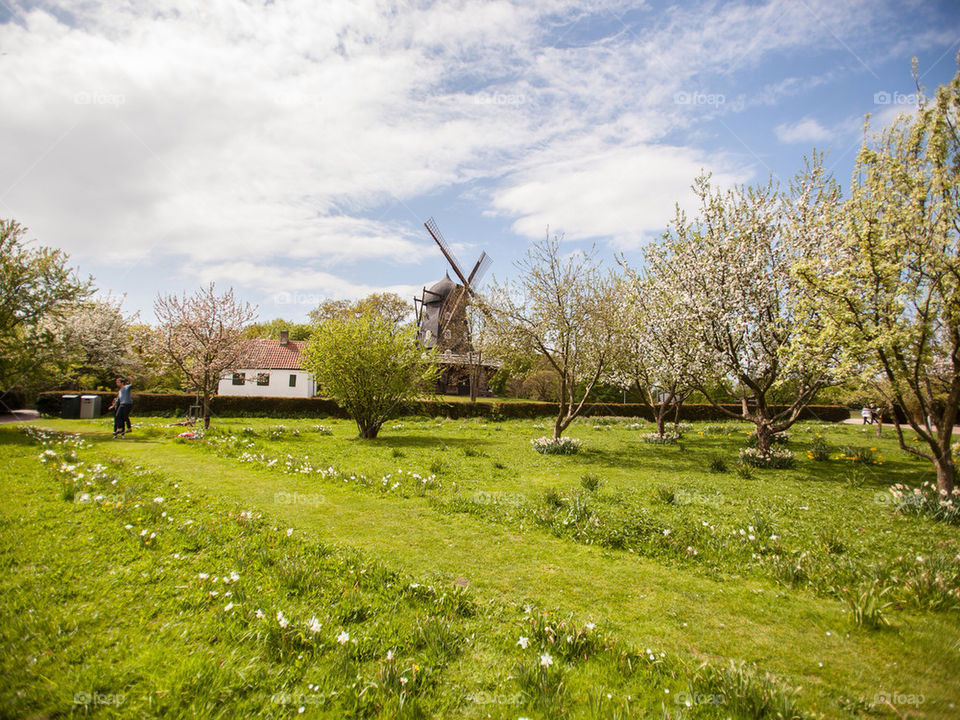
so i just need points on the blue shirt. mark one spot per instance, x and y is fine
(124, 397)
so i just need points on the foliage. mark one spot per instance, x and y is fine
(201, 335)
(271, 330)
(369, 365)
(37, 290)
(819, 449)
(94, 340)
(389, 306)
(886, 275)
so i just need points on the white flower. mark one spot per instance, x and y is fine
(158, 499)
(281, 619)
(289, 532)
(389, 654)
(524, 642)
(203, 576)
(259, 614)
(403, 681)
(228, 607)
(590, 626)
(234, 576)
(546, 660)
(343, 638)
(313, 625)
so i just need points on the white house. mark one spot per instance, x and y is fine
(272, 369)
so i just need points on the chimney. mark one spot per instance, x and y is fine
(284, 337)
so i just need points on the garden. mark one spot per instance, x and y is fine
(449, 569)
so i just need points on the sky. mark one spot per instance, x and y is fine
(293, 150)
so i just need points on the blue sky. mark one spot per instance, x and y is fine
(292, 150)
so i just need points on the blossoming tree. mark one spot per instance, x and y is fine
(889, 275)
(656, 355)
(563, 308)
(202, 336)
(730, 273)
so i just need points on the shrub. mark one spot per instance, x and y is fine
(777, 458)
(717, 464)
(590, 482)
(666, 494)
(867, 605)
(863, 455)
(558, 446)
(819, 449)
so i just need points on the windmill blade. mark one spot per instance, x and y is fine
(479, 270)
(431, 226)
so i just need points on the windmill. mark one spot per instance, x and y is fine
(442, 309)
(443, 324)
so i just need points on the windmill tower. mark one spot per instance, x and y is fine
(442, 321)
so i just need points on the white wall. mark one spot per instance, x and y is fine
(279, 384)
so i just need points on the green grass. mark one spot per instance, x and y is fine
(515, 528)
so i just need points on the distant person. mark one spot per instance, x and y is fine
(123, 404)
(867, 414)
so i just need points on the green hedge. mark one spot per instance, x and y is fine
(232, 405)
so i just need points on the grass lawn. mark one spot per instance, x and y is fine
(666, 577)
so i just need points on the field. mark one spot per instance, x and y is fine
(448, 570)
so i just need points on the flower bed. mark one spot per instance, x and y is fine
(777, 458)
(559, 446)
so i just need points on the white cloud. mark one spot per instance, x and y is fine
(239, 136)
(627, 194)
(806, 130)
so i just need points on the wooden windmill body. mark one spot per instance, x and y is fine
(442, 323)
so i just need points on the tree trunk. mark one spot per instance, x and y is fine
(370, 432)
(661, 417)
(206, 412)
(946, 472)
(764, 438)
(558, 425)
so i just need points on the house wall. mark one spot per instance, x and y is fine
(279, 384)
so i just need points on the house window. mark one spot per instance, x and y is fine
(293, 381)
(239, 379)
(263, 378)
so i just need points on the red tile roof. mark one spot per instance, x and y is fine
(271, 355)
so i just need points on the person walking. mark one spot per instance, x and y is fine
(123, 404)
(867, 414)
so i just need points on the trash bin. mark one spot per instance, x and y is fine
(89, 406)
(70, 407)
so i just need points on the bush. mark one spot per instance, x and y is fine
(819, 449)
(590, 482)
(559, 446)
(865, 456)
(240, 406)
(777, 458)
(717, 464)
